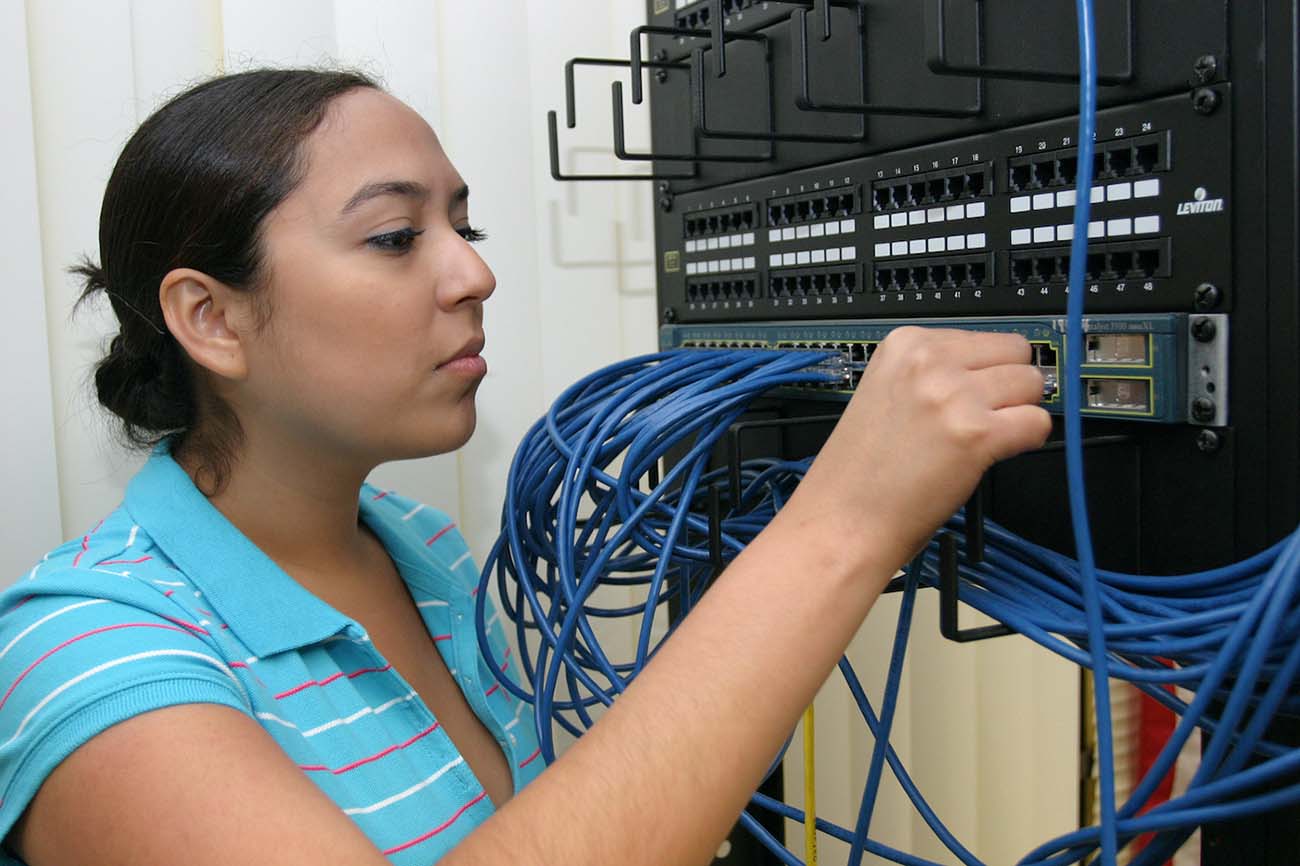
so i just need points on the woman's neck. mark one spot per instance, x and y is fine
(299, 505)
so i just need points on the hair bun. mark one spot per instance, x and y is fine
(141, 388)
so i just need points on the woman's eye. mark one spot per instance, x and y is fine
(472, 234)
(399, 241)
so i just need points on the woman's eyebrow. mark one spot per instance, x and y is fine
(410, 188)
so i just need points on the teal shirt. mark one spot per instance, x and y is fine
(165, 602)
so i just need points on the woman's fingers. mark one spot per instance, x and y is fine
(972, 350)
(1018, 429)
(1008, 385)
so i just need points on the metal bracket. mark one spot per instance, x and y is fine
(940, 64)
(803, 89)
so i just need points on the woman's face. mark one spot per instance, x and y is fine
(371, 349)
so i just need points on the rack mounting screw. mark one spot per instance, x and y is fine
(670, 315)
(1205, 69)
(1204, 330)
(1208, 297)
(661, 75)
(1205, 100)
(1204, 410)
(1208, 442)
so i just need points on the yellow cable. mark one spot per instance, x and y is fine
(809, 788)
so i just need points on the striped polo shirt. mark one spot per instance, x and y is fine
(165, 602)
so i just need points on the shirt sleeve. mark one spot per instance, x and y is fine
(72, 666)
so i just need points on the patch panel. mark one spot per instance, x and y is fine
(724, 221)
(813, 207)
(1151, 205)
(931, 188)
(1113, 160)
(825, 282)
(1144, 368)
(1106, 263)
(962, 272)
(740, 287)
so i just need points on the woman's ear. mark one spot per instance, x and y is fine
(209, 319)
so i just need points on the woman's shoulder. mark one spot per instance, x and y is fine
(114, 561)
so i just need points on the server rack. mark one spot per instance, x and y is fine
(826, 169)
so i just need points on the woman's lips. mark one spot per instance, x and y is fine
(466, 365)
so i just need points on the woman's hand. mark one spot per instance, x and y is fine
(935, 409)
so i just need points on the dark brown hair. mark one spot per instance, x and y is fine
(191, 189)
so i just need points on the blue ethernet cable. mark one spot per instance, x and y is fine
(1074, 427)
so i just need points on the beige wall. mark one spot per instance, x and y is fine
(988, 730)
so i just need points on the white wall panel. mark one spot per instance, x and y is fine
(283, 33)
(29, 461)
(83, 109)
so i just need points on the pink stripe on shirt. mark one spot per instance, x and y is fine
(440, 533)
(377, 755)
(73, 640)
(436, 830)
(329, 679)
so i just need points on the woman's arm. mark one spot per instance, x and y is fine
(663, 775)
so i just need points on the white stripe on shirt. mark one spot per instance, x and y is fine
(402, 795)
(121, 661)
(40, 622)
(364, 711)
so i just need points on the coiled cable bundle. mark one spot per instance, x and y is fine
(575, 519)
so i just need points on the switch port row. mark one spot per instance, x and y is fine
(811, 208)
(741, 288)
(966, 272)
(816, 283)
(1126, 158)
(855, 357)
(932, 188)
(723, 344)
(720, 222)
(1106, 262)
(699, 17)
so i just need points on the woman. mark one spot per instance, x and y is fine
(255, 641)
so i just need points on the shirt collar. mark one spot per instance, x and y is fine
(240, 582)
